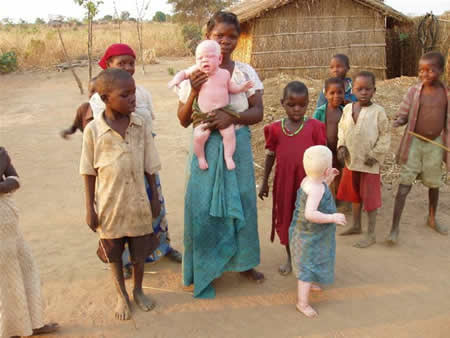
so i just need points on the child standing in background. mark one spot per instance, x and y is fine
(286, 142)
(330, 114)
(426, 111)
(339, 67)
(363, 140)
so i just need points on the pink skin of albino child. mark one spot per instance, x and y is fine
(317, 162)
(213, 95)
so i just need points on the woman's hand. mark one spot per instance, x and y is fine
(197, 79)
(219, 119)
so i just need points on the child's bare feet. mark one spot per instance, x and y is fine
(307, 310)
(46, 329)
(285, 269)
(122, 310)
(144, 302)
(393, 237)
(254, 276)
(202, 164)
(439, 228)
(366, 242)
(230, 163)
(353, 230)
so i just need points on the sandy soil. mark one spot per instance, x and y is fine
(379, 292)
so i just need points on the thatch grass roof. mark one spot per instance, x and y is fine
(250, 9)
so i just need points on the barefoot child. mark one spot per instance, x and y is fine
(339, 67)
(20, 288)
(122, 56)
(330, 114)
(426, 111)
(83, 116)
(213, 95)
(286, 141)
(363, 140)
(313, 227)
(118, 150)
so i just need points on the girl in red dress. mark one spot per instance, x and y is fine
(286, 141)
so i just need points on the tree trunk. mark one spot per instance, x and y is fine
(90, 45)
(77, 79)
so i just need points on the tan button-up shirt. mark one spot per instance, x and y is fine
(369, 136)
(119, 163)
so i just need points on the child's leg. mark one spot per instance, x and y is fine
(355, 229)
(433, 198)
(229, 145)
(369, 238)
(200, 137)
(402, 193)
(303, 299)
(286, 268)
(144, 302)
(122, 310)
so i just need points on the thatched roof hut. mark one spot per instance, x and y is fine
(300, 36)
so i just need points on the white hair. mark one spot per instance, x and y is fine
(208, 44)
(316, 160)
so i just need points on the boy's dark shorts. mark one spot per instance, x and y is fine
(140, 248)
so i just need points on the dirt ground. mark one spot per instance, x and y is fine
(379, 292)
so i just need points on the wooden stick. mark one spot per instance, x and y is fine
(428, 140)
(165, 290)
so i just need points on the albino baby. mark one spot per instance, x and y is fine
(312, 232)
(213, 95)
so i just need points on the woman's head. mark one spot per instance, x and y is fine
(295, 100)
(120, 56)
(224, 28)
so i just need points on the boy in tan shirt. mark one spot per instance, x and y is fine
(118, 150)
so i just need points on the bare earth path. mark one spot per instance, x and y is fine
(379, 292)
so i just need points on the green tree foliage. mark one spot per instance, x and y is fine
(124, 15)
(107, 18)
(160, 17)
(197, 11)
(39, 21)
(8, 62)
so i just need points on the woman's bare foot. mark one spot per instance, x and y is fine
(354, 230)
(307, 310)
(144, 302)
(366, 242)
(46, 329)
(285, 269)
(175, 256)
(315, 288)
(122, 310)
(254, 276)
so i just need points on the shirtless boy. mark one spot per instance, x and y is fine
(213, 95)
(426, 111)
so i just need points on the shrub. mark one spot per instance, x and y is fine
(192, 35)
(8, 62)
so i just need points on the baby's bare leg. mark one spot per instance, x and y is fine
(122, 310)
(303, 299)
(200, 137)
(144, 303)
(229, 146)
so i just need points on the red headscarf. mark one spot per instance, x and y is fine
(116, 50)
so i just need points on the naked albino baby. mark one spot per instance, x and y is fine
(213, 95)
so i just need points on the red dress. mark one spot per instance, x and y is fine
(289, 171)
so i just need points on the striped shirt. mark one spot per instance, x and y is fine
(408, 114)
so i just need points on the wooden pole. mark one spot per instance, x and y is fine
(423, 138)
(77, 79)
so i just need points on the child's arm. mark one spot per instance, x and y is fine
(315, 194)
(91, 214)
(77, 122)
(342, 151)
(381, 147)
(402, 115)
(235, 88)
(11, 181)
(331, 176)
(154, 202)
(181, 76)
(268, 165)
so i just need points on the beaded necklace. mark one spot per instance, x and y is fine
(299, 129)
